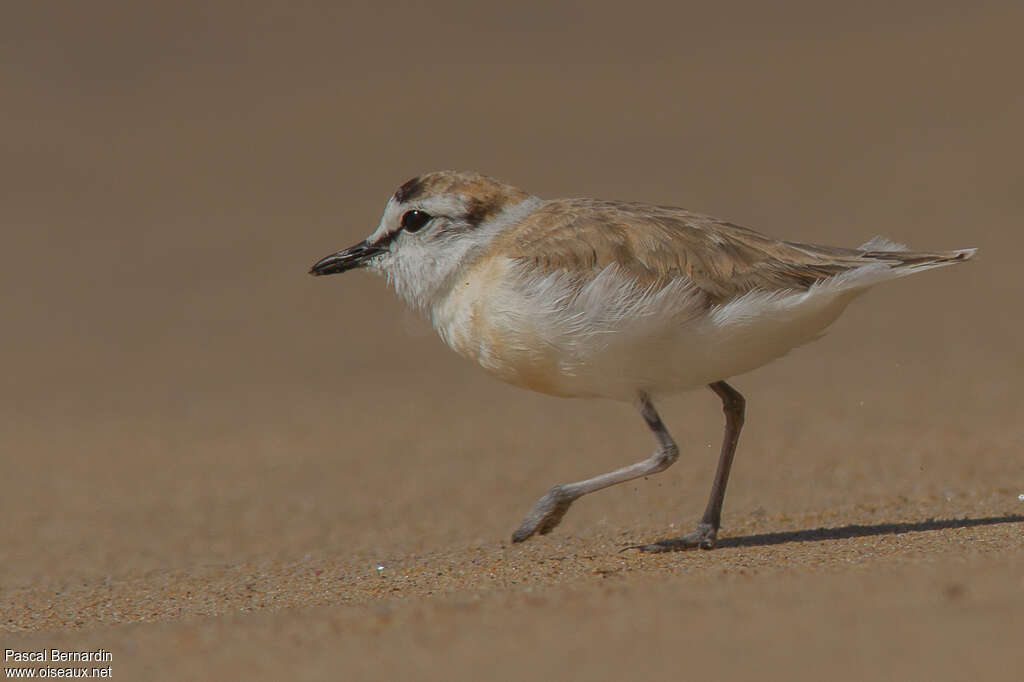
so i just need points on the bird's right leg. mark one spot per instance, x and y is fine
(549, 510)
(734, 406)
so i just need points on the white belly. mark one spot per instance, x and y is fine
(610, 338)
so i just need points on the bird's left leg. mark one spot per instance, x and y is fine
(549, 510)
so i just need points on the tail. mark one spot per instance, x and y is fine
(899, 257)
(879, 260)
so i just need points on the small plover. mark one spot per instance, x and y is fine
(586, 298)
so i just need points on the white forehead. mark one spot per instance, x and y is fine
(449, 205)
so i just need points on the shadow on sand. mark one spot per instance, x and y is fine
(857, 531)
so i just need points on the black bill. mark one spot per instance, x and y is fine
(349, 259)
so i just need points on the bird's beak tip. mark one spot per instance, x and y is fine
(342, 261)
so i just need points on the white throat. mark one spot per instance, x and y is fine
(423, 272)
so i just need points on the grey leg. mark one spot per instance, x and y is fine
(549, 510)
(734, 405)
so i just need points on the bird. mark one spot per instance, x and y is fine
(590, 298)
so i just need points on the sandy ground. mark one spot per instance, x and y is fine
(217, 467)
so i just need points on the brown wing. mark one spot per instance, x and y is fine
(656, 244)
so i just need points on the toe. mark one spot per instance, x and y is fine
(702, 538)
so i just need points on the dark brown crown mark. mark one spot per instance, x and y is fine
(409, 190)
(484, 196)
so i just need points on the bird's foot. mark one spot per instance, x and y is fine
(702, 538)
(546, 513)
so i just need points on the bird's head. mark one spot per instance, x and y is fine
(431, 226)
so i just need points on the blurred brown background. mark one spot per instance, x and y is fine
(179, 397)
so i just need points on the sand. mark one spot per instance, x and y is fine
(217, 467)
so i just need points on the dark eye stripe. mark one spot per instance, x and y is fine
(415, 220)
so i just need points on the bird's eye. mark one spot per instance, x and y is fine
(414, 220)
